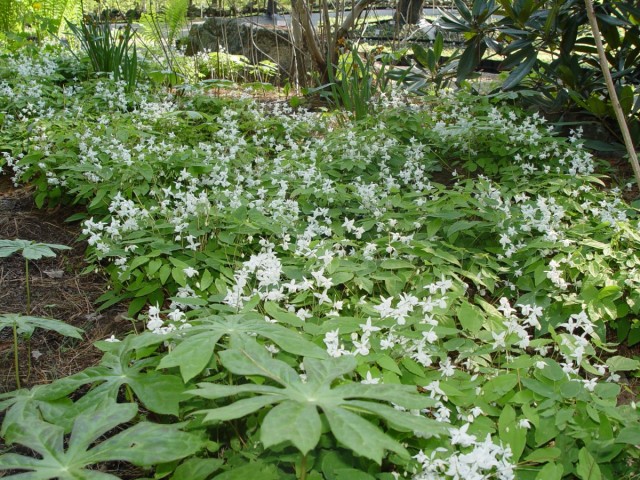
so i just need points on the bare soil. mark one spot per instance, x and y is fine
(59, 290)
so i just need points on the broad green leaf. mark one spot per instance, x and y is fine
(622, 364)
(146, 444)
(258, 470)
(499, 386)
(359, 435)
(325, 371)
(197, 344)
(300, 400)
(511, 433)
(213, 391)
(196, 468)
(587, 468)
(191, 355)
(294, 422)
(630, 435)
(470, 317)
(551, 471)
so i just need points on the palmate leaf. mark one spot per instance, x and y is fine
(197, 344)
(22, 403)
(296, 418)
(144, 444)
(27, 324)
(30, 250)
(158, 391)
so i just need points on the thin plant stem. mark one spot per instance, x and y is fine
(303, 467)
(28, 359)
(26, 270)
(16, 362)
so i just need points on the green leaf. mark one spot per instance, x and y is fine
(587, 468)
(521, 71)
(622, 364)
(359, 435)
(293, 422)
(629, 435)
(511, 433)
(143, 444)
(27, 324)
(470, 317)
(258, 470)
(301, 399)
(196, 469)
(551, 471)
(499, 386)
(239, 409)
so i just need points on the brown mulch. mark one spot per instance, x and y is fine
(58, 290)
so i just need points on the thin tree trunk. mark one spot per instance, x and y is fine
(622, 122)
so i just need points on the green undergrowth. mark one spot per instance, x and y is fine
(427, 293)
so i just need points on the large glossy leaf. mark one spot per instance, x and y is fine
(518, 73)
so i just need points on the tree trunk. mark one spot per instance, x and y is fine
(409, 12)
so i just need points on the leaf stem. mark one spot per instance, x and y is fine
(303, 467)
(16, 362)
(26, 270)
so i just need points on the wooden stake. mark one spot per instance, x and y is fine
(622, 122)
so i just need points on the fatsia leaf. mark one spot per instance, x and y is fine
(361, 436)
(292, 421)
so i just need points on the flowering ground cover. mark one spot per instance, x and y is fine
(427, 293)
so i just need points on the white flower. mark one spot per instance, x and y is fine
(370, 380)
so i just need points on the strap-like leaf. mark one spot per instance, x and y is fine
(401, 420)
(403, 395)
(240, 408)
(213, 391)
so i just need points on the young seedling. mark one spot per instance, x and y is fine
(30, 251)
(25, 325)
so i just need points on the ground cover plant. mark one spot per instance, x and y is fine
(429, 292)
